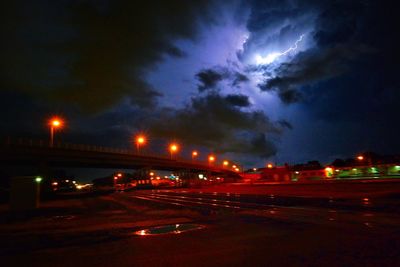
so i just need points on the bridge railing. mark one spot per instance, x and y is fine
(24, 142)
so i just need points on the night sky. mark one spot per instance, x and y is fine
(256, 81)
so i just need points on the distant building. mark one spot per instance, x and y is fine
(312, 170)
(269, 174)
(371, 166)
(367, 171)
(276, 174)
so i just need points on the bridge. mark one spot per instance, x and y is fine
(40, 153)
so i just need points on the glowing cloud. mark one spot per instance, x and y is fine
(272, 56)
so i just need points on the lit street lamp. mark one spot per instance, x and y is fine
(140, 140)
(54, 124)
(225, 163)
(211, 159)
(194, 154)
(173, 148)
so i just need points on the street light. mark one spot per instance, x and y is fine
(211, 159)
(194, 154)
(360, 157)
(54, 124)
(225, 163)
(269, 165)
(173, 148)
(140, 140)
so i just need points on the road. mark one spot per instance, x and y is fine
(366, 211)
(239, 230)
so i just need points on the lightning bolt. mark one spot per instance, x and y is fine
(272, 56)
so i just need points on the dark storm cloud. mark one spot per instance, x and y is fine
(270, 14)
(239, 78)
(238, 100)
(209, 78)
(285, 124)
(89, 53)
(342, 38)
(213, 121)
(348, 77)
(310, 67)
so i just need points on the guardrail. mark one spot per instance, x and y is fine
(24, 142)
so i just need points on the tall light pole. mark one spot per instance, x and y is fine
(54, 124)
(173, 148)
(194, 154)
(211, 159)
(140, 140)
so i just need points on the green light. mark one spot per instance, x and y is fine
(397, 167)
(38, 179)
(374, 170)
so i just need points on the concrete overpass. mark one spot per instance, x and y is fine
(39, 153)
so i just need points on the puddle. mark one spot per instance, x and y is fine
(170, 229)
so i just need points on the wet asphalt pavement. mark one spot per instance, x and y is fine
(236, 230)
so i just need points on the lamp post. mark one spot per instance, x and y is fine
(211, 159)
(54, 124)
(140, 140)
(194, 154)
(173, 148)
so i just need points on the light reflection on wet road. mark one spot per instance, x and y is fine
(319, 210)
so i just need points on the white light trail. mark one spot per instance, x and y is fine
(272, 56)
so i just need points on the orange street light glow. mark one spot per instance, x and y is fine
(360, 157)
(225, 163)
(140, 140)
(269, 166)
(173, 147)
(194, 153)
(211, 158)
(56, 122)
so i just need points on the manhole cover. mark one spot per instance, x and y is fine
(170, 229)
